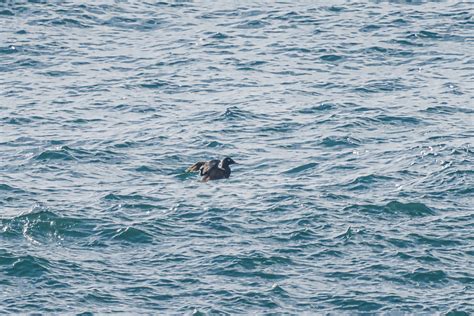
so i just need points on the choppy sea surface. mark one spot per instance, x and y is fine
(353, 123)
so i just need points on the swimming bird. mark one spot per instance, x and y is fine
(213, 169)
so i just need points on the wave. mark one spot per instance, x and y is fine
(393, 208)
(8, 188)
(59, 154)
(301, 168)
(321, 108)
(235, 113)
(427, 276)
(336, 141)
(27, 266)
(41, 225)
(126, 234)
(66, 153)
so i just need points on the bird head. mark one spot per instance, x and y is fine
(228, 161)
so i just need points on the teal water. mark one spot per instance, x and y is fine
(353, 124)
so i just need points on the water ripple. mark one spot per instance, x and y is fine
(351, 123)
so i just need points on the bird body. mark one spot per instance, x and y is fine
(213, 169)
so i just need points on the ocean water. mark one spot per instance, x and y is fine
(353, 123)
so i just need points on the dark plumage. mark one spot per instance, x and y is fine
(213, 169)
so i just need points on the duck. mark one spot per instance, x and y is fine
(213, 169)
